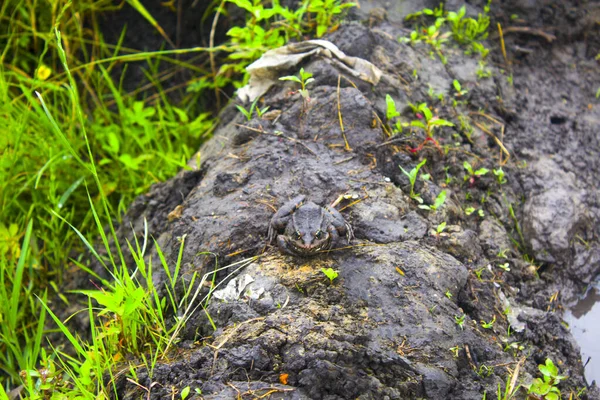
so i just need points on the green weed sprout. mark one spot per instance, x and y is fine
(499, 176)
(460, 320)
(412, 177)
(440, 228)
(330, 273)
(439, 201)
(488, 325)
(458, 87)
(468, 30)
(546, 387)
(391, 112)
(325, 11)
(431, 121)
(473, 174)
(248, 113)
(304, 79)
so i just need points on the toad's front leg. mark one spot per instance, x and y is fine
(340, 224)
(282, 217)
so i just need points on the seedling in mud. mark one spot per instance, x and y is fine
(330, 273)
(468, 30)
(454, 351)
(391, 112)
(448, 294)
(483, 71)
(439, 201)
(469, 210)
(185, 392)
(473, 175)
(304, 79)
(484, 371)
(440, 229)
(460, 320)
(325, 11)
(547, 386)
(478, 272)
(422, 111)
(500, 176)
(431, 35)
(412, 177)
(515, 347)
(488, 325)
(248, 113)
(505, 266)
(459, 90)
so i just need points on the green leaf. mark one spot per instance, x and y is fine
(440, 122)
(456, 85)
(468, 167)
(440, 228)
(426, 111)
(391, 111)
(290, 78)
(482, 171)
(418, 124)
(246, 113)
(440, 199)
(549, 369)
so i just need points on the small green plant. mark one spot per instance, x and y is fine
(484, 371)
(304, 79)
(505, 267)
(412, 177)
(483, 71)
(464, 30)
(324, 12)
(478, 272)
(248, 113)
(454, 351)
(488, 325)
(500, 176)
(448, 294)
(459, 90)
(468, 30)
(432, 36)
(436, 12)
(460, 320)
(546, 387)
(330, 273)
(422, 111)
(391, 113)
(473, 175)
(439, 201)
(440, 228)
(469, 210)
(185, 392)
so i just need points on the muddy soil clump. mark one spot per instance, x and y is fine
(410, 313)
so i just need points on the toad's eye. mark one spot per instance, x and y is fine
(297, 235)
(319, 235)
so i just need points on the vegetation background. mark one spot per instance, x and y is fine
(98, 102)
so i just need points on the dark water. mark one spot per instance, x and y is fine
(584, 320)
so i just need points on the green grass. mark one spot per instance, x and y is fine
(76, 150)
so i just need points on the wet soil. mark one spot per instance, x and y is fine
(405, 318)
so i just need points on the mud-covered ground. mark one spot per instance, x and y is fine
(391, 325)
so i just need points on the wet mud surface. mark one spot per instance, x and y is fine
(405, 317)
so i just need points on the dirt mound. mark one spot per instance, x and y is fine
(410, 314)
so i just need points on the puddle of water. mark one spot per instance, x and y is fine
(584, 320)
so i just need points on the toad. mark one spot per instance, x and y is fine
(303, 228)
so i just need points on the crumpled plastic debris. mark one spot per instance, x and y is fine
(514, 312)
(267, 70)
(236, 287)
